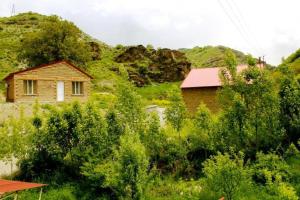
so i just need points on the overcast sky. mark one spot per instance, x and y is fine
(259, 27)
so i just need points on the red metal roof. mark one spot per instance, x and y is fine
(46, 65)
(13, 186)
(205, 77)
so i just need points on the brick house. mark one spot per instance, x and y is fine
(201, 85)
(55, 82)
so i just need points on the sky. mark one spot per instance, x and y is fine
(268, 28)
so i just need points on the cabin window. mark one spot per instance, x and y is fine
(77, 88)
(30, 87)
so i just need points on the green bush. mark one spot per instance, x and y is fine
(270, 168)
(225, 174)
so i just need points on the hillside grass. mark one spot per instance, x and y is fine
(211, 56)
(157, 93)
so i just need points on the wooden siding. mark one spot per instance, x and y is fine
(10, 92)
(194, 96)
(47, 78)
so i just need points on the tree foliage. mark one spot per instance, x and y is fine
(225, 174)
(289, 96)
(176, 111)
(251, 110)
(56, 39)
(129, 108)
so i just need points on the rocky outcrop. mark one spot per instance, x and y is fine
(145, 65)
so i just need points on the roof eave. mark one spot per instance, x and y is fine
(44, 65)
(208, 86)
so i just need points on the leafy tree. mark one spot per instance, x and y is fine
(225, 174)
(68, 138)
(114, 128)
(176, 111)
(94, 142)
(153, 137)
(129, 108)
(251, 111)
(251, 61)
(289, 94)
(15, 137)
(271, 171)
(56, 39)
(126, 173)
(203, 133)
(231, 62)
(132, 164)
(269, 168)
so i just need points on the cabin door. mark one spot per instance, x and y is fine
(60, 91)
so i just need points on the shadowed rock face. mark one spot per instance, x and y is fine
(145, 65)
(95, 50)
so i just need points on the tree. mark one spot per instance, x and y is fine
(68, 138)
(56, 39)
(271, 171)
(203, 137)
(94, 142)
(225, 174)
(125, 173)
(132, 164)
(15, 138)
(129, 108)
(114, 128)
(250, 117)
(176, 111)
(153, 139)
(270, 168)
(289, 95)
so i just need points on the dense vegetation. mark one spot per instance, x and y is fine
(293, 61)
(111, 148)
(118, 151)
(210, 56)
(21, 34)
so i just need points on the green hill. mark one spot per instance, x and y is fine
(293, 61)
(111, 66)
(211, 56)
(143, 65)
(13, 29)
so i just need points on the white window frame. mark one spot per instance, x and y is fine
(77, 90)
(29, 87)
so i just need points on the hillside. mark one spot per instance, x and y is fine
(143, 66)
(111, 66)
(13, 29)
(293, 61)
(210, 56)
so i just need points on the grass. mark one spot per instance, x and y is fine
(157, 93)
(170, 189)
(210, 56)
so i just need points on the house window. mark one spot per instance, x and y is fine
(30, 87)
(77, 88)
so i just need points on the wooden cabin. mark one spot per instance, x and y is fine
(55, 82)
(201, 85)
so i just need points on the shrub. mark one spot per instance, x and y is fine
(225, 174)
(291, 151)
(131, 166)
(270, 168)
